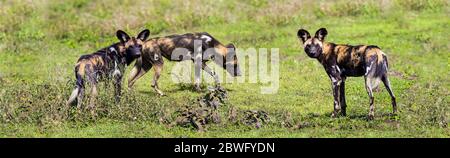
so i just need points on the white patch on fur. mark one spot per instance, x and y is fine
(336, 105)
(116, 69)
(112, 49)
(306, 43)
(156, 57)
(73, 96)
(337, 68)
(374, 83)
(368, 68)
(207, 38)
(333, 79)
(316, 41)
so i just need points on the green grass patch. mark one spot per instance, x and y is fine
(41, 41)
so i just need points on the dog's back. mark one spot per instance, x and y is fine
(96, 64)
(166, 45)
(91, 67)
(358, 60)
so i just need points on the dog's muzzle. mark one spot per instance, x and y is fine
(313, 52)
(134, 52)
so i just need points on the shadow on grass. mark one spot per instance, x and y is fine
(387, 116)
(378, 116)
(149, 92)
(184, 87)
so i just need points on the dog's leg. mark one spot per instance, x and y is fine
(342, 94)
(80, 97)
(197, 74)
(387, 84)
(93, 98)
(106, 82)
(158, 69)
(92, 80)
(138, 71)
(368, 85)
(198, 62)
(212, 73)
(336, 83)
(117, 88)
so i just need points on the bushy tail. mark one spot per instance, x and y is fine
(73, 96)
(79, 85)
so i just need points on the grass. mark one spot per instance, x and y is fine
(41, 41)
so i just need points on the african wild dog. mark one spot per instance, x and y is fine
(106, 64)
(342, 61)
(167, 47)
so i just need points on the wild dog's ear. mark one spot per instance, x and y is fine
(303, 35)
(321, 33)
(122, 36)
(230, 45)
(144, 35)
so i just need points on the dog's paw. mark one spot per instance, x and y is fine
(334, 115)
(370, 117)
(197, 88)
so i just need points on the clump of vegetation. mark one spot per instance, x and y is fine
(290, 123)
(204, 111)
(255, 118)
(216, 96)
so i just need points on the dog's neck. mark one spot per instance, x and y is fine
(121, 54)
(327, 52)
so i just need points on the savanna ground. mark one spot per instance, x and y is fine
(40, 42)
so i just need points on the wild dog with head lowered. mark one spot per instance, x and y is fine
(153, 49)
(342, 61)
(106, 64)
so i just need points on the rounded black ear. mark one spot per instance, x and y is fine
(144, 34)
(122, 36)
(303, 35)
(321, 34)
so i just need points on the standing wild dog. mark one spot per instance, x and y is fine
(106, 64)
(342, 61)
(168, 47)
